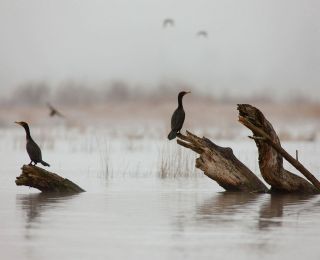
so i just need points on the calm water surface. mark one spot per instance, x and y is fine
(151, 218)
(159, 219)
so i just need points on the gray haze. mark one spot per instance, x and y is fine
(252, 45)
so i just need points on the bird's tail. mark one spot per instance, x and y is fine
(172, 135)
(45, 163)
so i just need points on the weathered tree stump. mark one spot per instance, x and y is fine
(271, 155)
(220, 164)
(45, 181)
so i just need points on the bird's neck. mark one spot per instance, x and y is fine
(180, 105)
(26, 128)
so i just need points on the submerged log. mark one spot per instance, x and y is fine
(45, 181)
(220, 164)
(271, 155)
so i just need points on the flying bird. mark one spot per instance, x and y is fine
(203, 34)
(33, 149)
(168, 22)
(178, 117)
(53, 111)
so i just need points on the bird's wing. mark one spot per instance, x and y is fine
(59, 114)
(177, 119)
(52, 110)
(56, 112)
(34, 151)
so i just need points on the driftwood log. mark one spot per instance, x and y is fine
(45, 181)
(221, 165)
(271, 155)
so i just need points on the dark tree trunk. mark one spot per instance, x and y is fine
(271, 155)
(45, 181)
(220, 164)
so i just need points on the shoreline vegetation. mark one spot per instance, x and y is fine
(295, 121)
(73, 93)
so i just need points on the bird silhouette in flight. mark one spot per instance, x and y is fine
(168, 22)
(53, 111)
(202, 33)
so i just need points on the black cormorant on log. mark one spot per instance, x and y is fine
(32, 148)
(178, 116)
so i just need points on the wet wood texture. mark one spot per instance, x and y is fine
(271, 155)
(45, 181)
(220, 164)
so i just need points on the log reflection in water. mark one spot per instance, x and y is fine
(272, 211)
(34, 205)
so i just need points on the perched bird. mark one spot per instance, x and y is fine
(178, 116)
(53, 111)
(168, 22)
(202, 34)
(32, 148)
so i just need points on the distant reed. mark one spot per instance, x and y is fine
(175, 162)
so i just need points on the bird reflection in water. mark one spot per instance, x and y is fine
(34, 205)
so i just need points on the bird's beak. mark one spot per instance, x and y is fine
(17, 123)
(187, 92)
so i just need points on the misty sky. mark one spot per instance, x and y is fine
(252, 44)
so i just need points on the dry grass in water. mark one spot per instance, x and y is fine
(175, 162)
(105, 158)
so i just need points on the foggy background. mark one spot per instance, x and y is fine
(269, 47)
